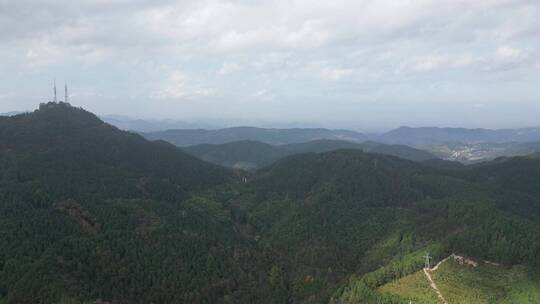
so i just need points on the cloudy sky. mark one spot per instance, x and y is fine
(367, 65)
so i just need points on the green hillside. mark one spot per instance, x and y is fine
(462, 283)
(247, 155)
(90, 212)
(355, 212)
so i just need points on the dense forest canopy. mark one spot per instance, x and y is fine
(91, 213)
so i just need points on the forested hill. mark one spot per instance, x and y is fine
(376, 216)
(253, 155)
(89, 213)
(59, 136)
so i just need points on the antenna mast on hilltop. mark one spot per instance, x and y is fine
(54, 89)
(66, 98)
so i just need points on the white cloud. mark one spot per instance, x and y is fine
(508, 52)
(263, 95)
(379, 50)
(260, 93)
(228, 68)
(429, 63)
(507, 59)
(177, 86)
(107, 28)
(478, 105)
(273, 24)
(327, 71)
(44, 54)
(433, 62)
(334, 74)
(465, 60)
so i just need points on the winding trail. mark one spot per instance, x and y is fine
(442, 261)
(459, 258)
(431, 282)
(434, 286)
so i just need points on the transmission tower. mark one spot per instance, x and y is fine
(428, 261)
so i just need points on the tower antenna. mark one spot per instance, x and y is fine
(66, 98)
(54, 89)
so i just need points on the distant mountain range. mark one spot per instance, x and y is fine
(434, 135)
(251, 155)
(136, 124)
(192, 137)
(456, 144)
(403, 135)
(153, 125)
(188, 133)
(12, 113)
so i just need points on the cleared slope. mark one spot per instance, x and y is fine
(464, 283)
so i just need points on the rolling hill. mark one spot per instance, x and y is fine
(251, 155)
(455, 144)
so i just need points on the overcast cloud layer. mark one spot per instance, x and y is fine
(340, 63)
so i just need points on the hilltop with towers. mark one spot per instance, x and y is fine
(66, 94)
(55, 102)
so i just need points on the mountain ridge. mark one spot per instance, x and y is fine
(253, 154)
(441, 135)
(189, 137)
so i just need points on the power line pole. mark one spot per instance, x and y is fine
(428, 261)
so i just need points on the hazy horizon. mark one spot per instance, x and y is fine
(369, 66)
(221, 123)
